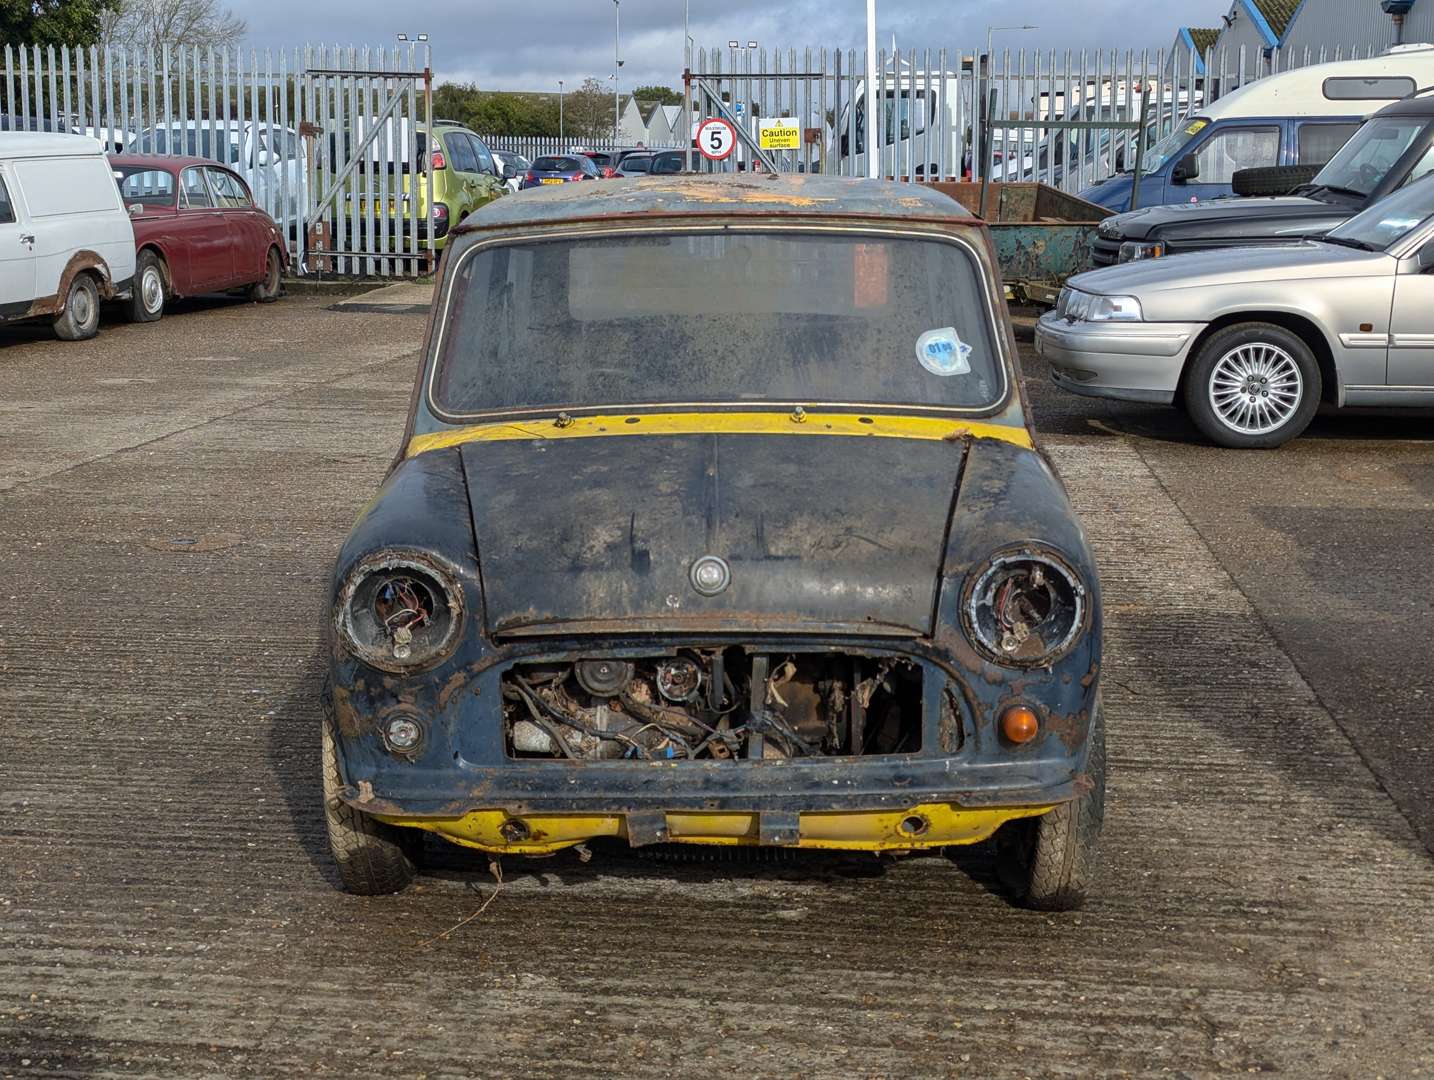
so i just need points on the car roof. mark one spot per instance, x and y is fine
(18, 144)
(719, 194)
(1420, 104)
(165, 161)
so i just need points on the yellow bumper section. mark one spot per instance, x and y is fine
(924, 826)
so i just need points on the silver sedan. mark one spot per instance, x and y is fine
(1249, 341)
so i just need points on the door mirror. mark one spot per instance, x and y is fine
(509, 172)
(1425, 257)
(1186, 169)
(135, 209)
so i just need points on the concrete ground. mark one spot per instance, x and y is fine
(172, 497)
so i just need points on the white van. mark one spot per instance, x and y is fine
(66, 242)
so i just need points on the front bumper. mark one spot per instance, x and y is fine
(1129, 361)
(924, 825)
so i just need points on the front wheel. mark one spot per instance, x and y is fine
(1252, 386)
(1049, 861)
(373, 858)
(80, 319)
(146, 302)
(267, 290)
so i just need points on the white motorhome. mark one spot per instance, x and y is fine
(1298, 117)
(66, 241)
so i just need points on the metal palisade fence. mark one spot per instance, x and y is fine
(954, 114)
(332, 141)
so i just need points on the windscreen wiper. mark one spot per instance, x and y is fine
(1345, 241)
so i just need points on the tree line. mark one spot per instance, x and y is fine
(587, 112)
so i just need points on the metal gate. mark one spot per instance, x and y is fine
(371, 209)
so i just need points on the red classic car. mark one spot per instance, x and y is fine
(196, 230)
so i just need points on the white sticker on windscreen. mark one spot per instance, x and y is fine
(941, 352)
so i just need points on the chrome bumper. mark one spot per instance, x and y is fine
(1130, 361)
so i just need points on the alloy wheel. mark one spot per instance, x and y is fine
(1256, 388)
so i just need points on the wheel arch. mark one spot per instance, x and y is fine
(1302, 326)
(155, 248)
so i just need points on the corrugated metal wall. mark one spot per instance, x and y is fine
(1326, 24)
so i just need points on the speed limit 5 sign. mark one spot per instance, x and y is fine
(716, 139)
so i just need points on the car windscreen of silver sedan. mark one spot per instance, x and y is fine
(1249, 341)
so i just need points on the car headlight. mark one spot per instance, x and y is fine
(400, 611)
(1134, 250)
(1026, 608)
(1113, 309)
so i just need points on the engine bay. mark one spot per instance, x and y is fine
(715, 703)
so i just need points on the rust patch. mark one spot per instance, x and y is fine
(452, 686)
(81, 260)
(345, 715)
(1090, 676)
(1069, 728)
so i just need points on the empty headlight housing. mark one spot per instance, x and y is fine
(400, 612)
(1133, 250)
(1026, 608)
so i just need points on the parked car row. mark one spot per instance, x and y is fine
(78, 230)
(1329, 299)
(603, 165)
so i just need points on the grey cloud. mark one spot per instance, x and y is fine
(530, 45)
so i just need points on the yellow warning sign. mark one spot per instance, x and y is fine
(779, 133)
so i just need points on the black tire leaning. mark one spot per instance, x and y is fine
(1195, 385)
(268, 290)
(373, 858)
(80, 319)
(1049, 861)
(150, 293)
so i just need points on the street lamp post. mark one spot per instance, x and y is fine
(560, 113)
(873, 152)
(991, 31)
(617, 57)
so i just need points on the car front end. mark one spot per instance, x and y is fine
(1100, 345)
(814, 616)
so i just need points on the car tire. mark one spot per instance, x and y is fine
(1252, 386)
(150, 293)
(374, 859)
(1048, 862)
(269, 289)
(1272, 180)
(81, 318)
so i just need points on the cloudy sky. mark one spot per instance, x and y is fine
(530, 44)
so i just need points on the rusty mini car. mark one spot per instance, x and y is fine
(718, 521)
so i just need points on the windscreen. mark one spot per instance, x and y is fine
(556, 164)
(1390, 219)
(1172, 145)
(718, 317)
(1363, 162)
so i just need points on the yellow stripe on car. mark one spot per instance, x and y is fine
(923, 826)
(874, 425)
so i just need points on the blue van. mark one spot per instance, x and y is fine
(1299, 117)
